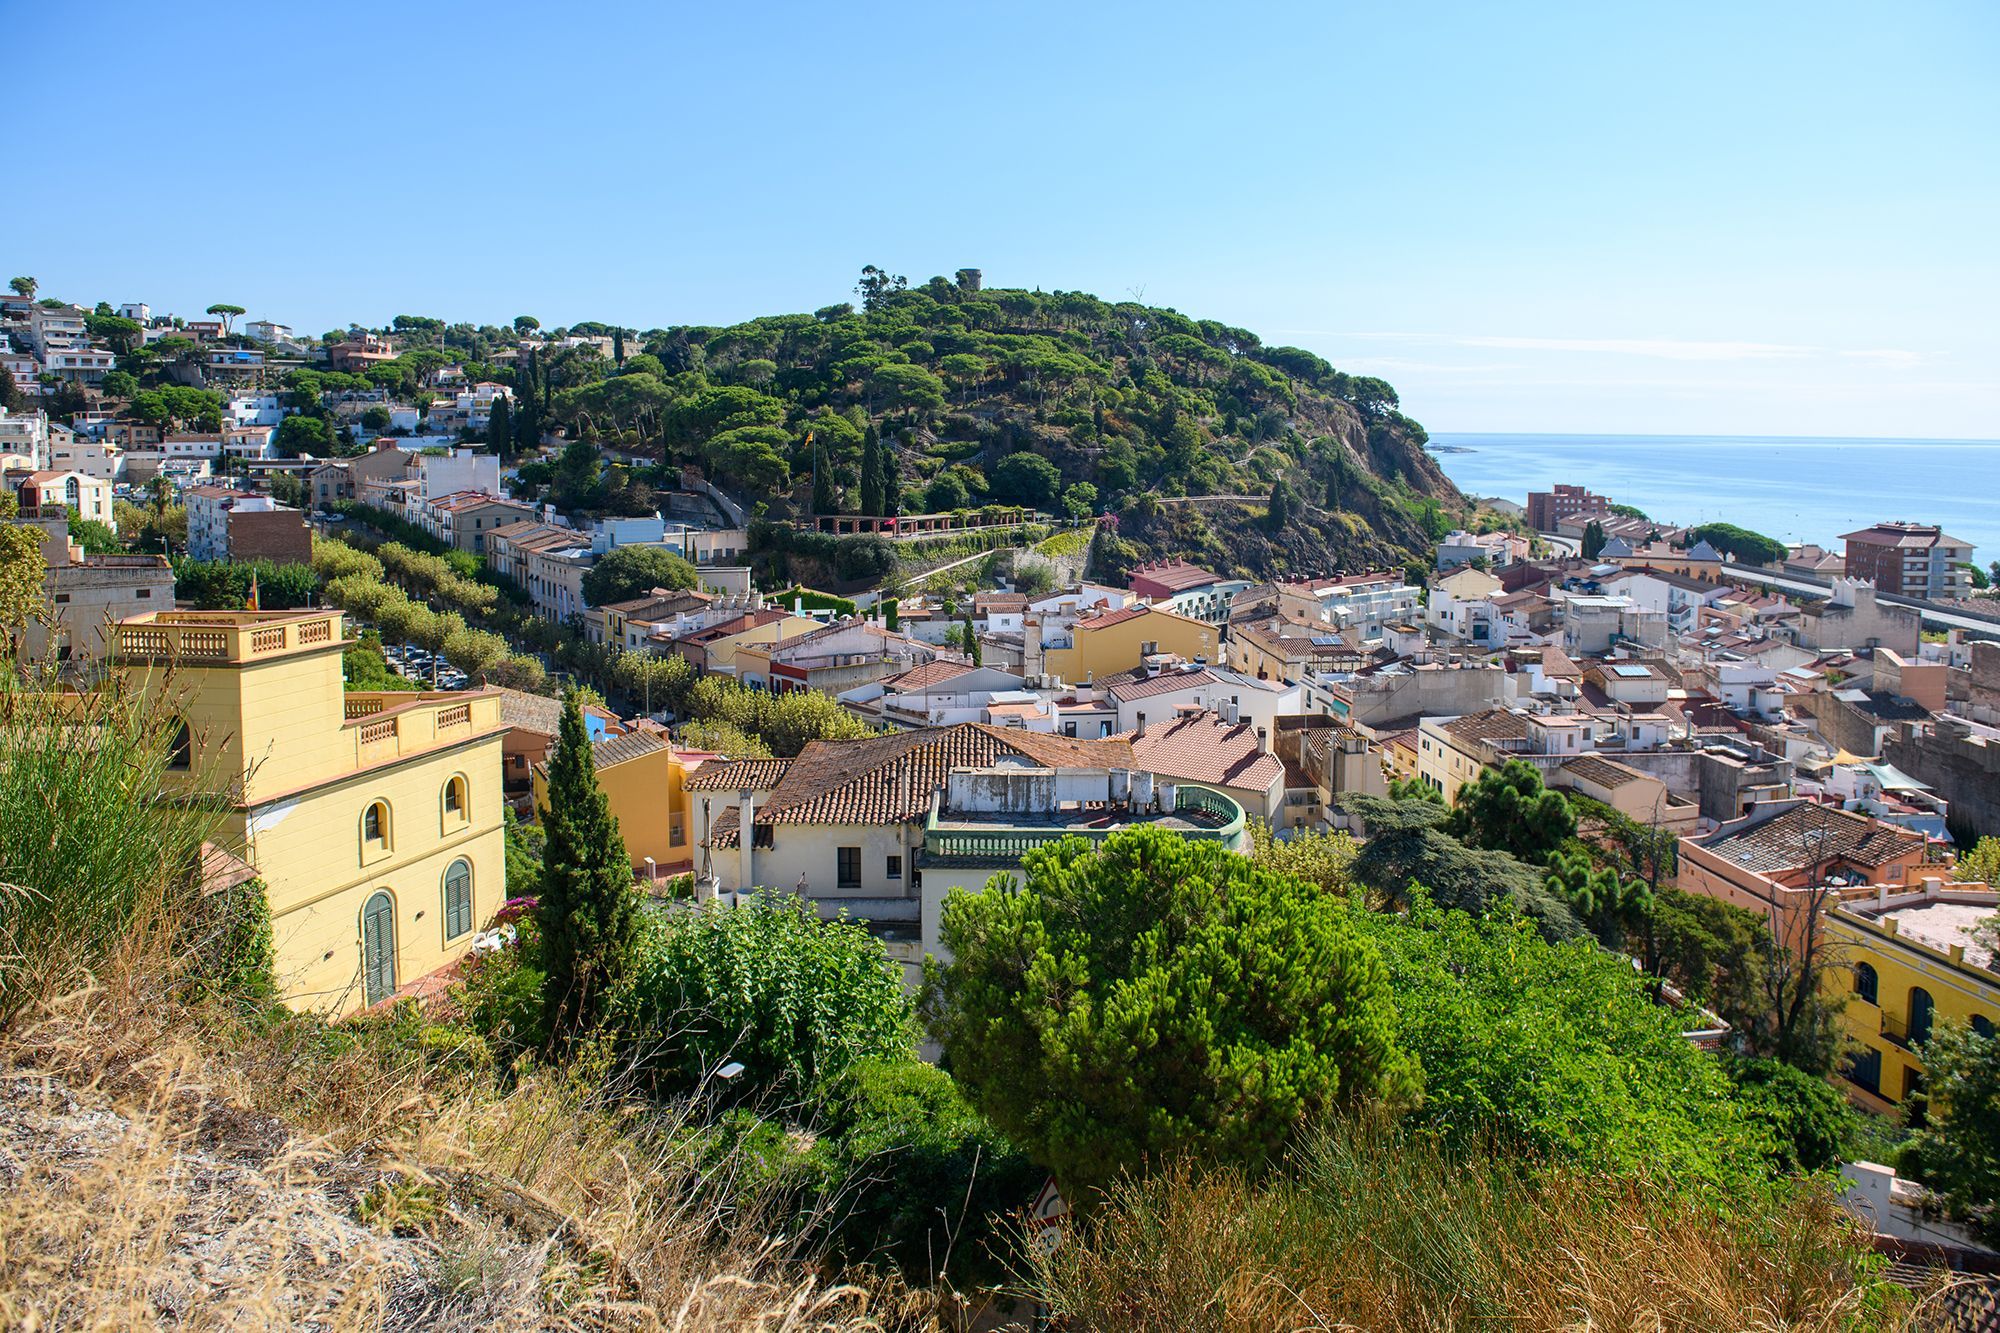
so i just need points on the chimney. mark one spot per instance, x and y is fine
(746, 838)
(1140, 730)
(1264, 740)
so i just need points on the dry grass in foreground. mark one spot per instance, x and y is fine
(166, 1168)
(1380, 1233)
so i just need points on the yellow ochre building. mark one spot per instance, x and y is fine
(373, 819)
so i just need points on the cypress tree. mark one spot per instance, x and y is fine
(823, 497)
(618, 346)
(972, 640)
(589, 909)
(892, 480)
(871, 472)
(500, 430)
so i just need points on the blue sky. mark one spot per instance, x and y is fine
(1775, 218)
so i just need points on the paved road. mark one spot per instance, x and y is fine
(1811, 588)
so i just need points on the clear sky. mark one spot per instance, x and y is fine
(1759, 218)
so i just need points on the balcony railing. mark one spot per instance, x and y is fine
(224, 636)
(1896, 1030)
(1001, 844)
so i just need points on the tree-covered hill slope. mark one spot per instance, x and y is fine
(951, 394)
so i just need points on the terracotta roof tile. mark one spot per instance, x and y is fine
(1814, 832)
(890, 779)
(1203, 748)
(928, 676)
(1495, 724)
(739, 775)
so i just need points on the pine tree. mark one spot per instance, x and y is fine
(589, 909)
(871, 472)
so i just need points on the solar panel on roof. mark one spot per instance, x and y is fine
(1630, 672)
(1325, 640)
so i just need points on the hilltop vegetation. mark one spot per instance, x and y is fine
(951, 395)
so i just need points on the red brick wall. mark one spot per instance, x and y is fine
(281, 536)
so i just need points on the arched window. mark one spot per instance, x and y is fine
(1982, 1025)
(375, 827)
(1866, 985)
(180, 751)
(1922, 1008)
(455, 804)
(458, 899)
(378, 949)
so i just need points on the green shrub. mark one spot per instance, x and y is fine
(769, 985)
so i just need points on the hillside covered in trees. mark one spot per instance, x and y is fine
(950, 394)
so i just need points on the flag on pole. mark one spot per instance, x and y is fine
(252, 603)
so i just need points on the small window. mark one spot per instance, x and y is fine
(454, 797)
(180, 752)
(1982, 1026)
(1866, 985)
(144, 594)
(848, 866)
(894, 868)
(375, 825)
(458, 899)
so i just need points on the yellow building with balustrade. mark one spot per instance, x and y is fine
(1912, 958)
(373, 819)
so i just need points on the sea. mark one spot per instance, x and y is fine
(1794, 488)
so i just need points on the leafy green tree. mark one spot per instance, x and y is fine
(1406, 848)
(14, 400)
(1324, 860)
(947, 492)
(1752, 548)
(925, 1181)
(1414, 789)
(525, 324)
(117, 384)
(228, 313)
(22, 569)
(1958, 1148)
(1028, 480)
(1807, 1118)
(1593, 539)
(297, 436)
(589, 908)
(1981, 865)
(1558, 1048)
(1509, 810)
(626, 572)
(1158, 996)
(24, 288)
(795, 999)
(1079, 501)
